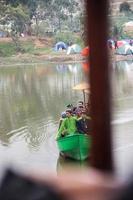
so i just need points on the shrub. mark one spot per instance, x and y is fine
(68, 37)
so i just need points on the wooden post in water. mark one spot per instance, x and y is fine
(101, 155)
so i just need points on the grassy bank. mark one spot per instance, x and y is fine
(31, 46)
(39, 51)
(33, 51)
(35, 46)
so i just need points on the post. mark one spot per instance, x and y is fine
(101, 155)
(84, 96)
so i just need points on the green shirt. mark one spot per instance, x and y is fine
(68, 126)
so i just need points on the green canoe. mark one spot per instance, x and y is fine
(76, 146)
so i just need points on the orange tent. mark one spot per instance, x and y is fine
(85, 51)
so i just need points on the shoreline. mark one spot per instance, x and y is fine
(38, 54)
(26, 59)
(40, 59)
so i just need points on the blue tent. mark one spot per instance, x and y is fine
(60, 46)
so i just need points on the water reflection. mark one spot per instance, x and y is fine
(31, 100)
(73, 69)
(62, 68)
(123, 76)
(64, 164)
(122, 84)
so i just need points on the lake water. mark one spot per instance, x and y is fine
(122, 84)
(31, 100)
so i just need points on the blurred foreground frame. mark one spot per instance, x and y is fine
(97, 33)
(97, 26)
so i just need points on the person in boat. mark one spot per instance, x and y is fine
(80, 107)
(63, 116)
(80, 104)
(71, 107)
(68, 125)
(83, 122)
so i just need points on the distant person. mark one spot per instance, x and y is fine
(83, 123)
(131, 42)
(80, 103)
(110, 44)
(68, 125)
(78, 114)
(70, 43)
(22, 35)
(63, 116)
(80, 107)
(115, 43)
(70, 106)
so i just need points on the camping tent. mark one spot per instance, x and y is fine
(60, 46)
(120, 43)
(75, 48)
(125, 50)
(85, 51)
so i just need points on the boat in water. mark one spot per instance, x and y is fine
(76, 146)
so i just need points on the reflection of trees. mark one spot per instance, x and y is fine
(121, 79)
(121, 83)
(29, 95)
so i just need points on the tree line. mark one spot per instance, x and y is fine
(55, 15)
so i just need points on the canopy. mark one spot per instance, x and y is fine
(85, 87)
(81, 86)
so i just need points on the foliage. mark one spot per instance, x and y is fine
(58, 11)
(31, 5)
(55, 12)
(17, 18)
(41, 18)
(68, 37)
(116, 31)
(117, 22)
(7, 49)
(79, 40)
(125, 7)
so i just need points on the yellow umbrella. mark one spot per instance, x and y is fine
(81, 86)
(85, 87)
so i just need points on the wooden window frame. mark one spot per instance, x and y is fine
(97, 26)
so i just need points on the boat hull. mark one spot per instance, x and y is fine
(76, 146)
